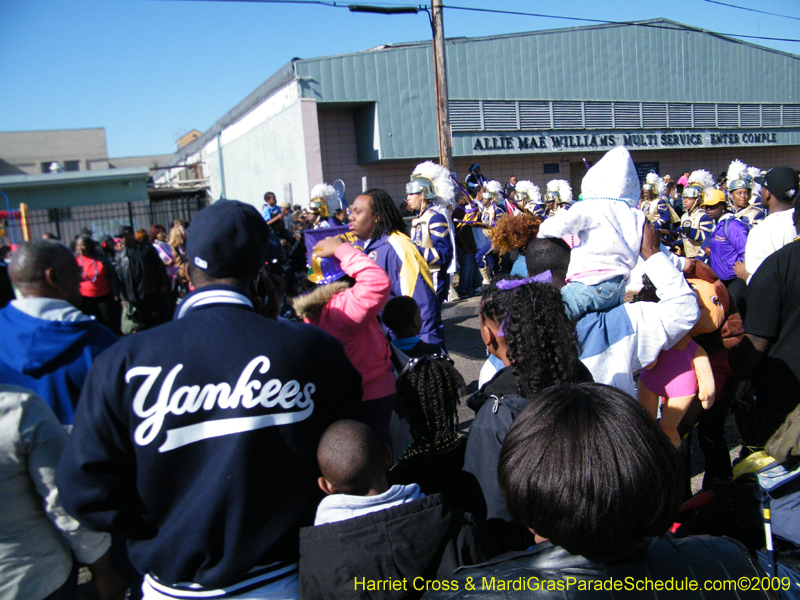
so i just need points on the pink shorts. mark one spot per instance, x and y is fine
(674, 375)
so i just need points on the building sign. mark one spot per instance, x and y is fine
(643, 168)
(554, 142)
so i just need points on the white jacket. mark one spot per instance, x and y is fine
(607, 234)
(37, 536)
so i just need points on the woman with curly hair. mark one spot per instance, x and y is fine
(511, 236)
(428, 394)
(523, 324)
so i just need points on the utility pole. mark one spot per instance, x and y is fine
(440, 69)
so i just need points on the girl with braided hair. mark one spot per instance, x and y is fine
(524, 324)
(428, 394)
(542, 341)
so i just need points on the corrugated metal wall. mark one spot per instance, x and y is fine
(656, 61)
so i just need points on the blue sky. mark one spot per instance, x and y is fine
(150, 70)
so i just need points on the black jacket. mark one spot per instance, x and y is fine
(423, 539)
(549, 571)
(497, 405)
(141, 273)
(197, 440)
(435, 473)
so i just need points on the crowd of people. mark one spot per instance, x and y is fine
(262, 405)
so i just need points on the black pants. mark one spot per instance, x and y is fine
(736, 288)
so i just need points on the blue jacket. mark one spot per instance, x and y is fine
(398, 256)
(52, 358)
(197, 439)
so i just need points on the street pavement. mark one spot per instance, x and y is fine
(465, 346)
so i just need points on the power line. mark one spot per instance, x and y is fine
(763, 12)
(424, 8)
(605, 22)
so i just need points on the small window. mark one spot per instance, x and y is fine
(727, 115)
(680, 116)
(59, 214)
(705, 116)
(599, 115)
(627, 115)
(791, 115)
(771, 115)
(568, 115)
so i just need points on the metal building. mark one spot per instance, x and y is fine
(538, 105)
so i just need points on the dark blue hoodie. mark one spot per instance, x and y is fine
(52, 358)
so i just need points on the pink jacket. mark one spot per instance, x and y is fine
(351, 317)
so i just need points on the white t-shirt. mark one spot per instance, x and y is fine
(772, 234)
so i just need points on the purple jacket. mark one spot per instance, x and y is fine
(727, 244)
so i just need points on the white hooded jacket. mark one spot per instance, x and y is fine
(605, 226)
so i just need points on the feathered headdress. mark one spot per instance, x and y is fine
(562, 188)
(495, 188)
(657, 182)
(528, 193)
(324, 194)
(756, 187)
(736, 170)
(700, 182)
(442, 191)
(702, 178)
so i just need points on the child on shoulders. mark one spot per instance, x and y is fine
(350, 293)
(605, 232)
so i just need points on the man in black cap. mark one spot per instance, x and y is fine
(144, 284)
(196, 440)
(779, 190)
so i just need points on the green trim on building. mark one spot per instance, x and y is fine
(77, 188)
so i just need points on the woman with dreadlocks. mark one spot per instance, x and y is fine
(525, 325)
(376, 222)
(428, 394)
